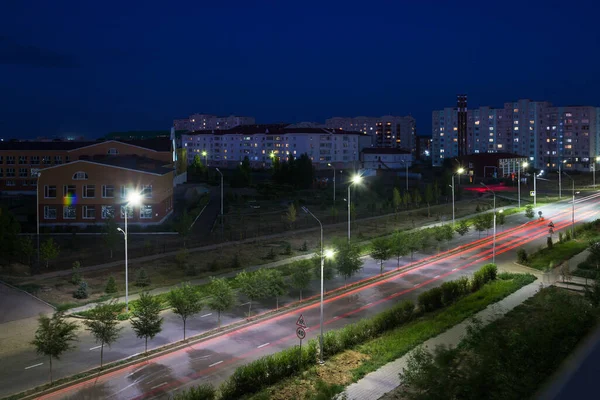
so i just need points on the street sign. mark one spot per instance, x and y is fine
(532, 193)
(301, 333)
(301, 322)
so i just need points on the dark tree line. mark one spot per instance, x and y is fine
(298, 172)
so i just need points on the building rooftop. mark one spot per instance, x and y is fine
(275, 129)
(156, 144)
(135, 163)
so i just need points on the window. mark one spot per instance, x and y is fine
(49, 212)
(10, 159)
(125, 191)
(108, 191)
(129, 212)
(69, 191)
(79, 176)
(10, 172)
(69, 212)
(57, 159)
(89, 212)
(10, 183)
(147, 191)
(23, 173)
(22, 159)
(50, 192)
(89, 191)
(33, 172)
(108, 212)
(46, 160)
(112, 151)
(146, 212)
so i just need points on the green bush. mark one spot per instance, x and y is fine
(463, 285)
(200, 392)
(477, 281)
(450, 292)
(490, 271)
(235, 263)
(522, 256)
(82, 291)
(76, 277)
(431, 300)
(141, 278)
(549, 243)
(271, 254)
(561, 237)
(111, 286)
(287, 249)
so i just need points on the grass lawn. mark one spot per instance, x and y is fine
(560, 252)
(351, 365)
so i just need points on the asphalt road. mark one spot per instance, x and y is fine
(15, 305)
(215, 359)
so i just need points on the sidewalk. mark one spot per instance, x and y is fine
(376, 384)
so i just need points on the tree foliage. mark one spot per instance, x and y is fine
(111, 235)
(529, 211)
(185, 302)
(222, 297)
(183, 226)
(348, 260)
(49, 251)
(250, 286)
(381, 250)
(301, 275)
(399, 245)
(145, 320)
(102, 323)
(296, 172)
(462, 227)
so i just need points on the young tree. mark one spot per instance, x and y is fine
(414, 242)
(301, 275)
(146, 321)
(462, 227)
(399, 245)
(82, 291)
(49, 250)
(396, 200)
(417, 199)
(76, 276)
(197, 165)
(500, 218)
(447, 233)
(328, 267)
(111, 285)
(529, 211)
(111, 235)
(141, 278)
(480, 224)
(348, 260)
(275, 284)
(26, 248)
(185, 302)
(429, 198)
(182, 257)
(439, 235)
(437, 193)
(291, 215)
(9, 235)
(381, 250)
(222, 296)
(103, 325)
(183, 226)
(251, 287)
(488, 221)
(406, 199)
(54, 336)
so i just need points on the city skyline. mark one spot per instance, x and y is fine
(73, 74)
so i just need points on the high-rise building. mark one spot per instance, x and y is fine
(386, 131)
(539, 131)
(199, 122)
(461, 105)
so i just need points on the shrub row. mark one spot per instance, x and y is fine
(253, 377)
(449, 292)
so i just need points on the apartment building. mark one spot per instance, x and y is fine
(262, 143)
(386, 131)
(21, 161)
(386, 158)
(539, 131)
(198, 122)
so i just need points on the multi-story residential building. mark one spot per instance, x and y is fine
(199, 122)
(262, 143)
(20, 161)
(539, 131)
(90, 191)
(386, 158)
(386, 131)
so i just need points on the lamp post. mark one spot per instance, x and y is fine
(133, 199)
(323, 255)
(596, 159)
(524, 165)
(355, 179)
(573, 206)
(458, 172)
(329, 165)
(494, 240)
(37, 201)
(559, 179)
(205, 155)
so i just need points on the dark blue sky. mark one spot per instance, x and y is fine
(92, 67)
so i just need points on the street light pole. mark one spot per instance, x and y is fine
(329, 165)
(573, 206)
(534, 189)
(133, 199)
(559, 179)
(460, 171)
(355, 179)
(306, 210)
(596, 159)
(494, 240)
(519, 183)
(37, 200)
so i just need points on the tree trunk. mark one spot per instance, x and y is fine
(249, 308)
(398, 265)
(219, 318)
(276, 302)
(300, 294)
(184, 329)
(101, 354)
(50, 369)
(381, 268)
(146, 347)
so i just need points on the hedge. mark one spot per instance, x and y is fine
(200, 392)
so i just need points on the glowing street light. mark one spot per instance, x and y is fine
(134, 199)
(205, 155)
(356, 179)
(596, 160)
(458, 172)
(331, 166)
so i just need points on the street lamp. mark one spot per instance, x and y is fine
(596, 159)
(205, 155)
(355, 179)
(37, 200)
(560, 163)
(494, 245)
(133, 199)
(329, 165)
(525, 165)
(324, 253)
(573, 206)
(459, 171)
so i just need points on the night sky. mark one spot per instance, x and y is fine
(90, 67)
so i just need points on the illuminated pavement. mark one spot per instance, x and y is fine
(215, 359)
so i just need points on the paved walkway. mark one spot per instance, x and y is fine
(376, 384)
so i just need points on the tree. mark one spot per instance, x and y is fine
(141, 278)
(417, 199)
(102, 323)
(222, 296)
(183, 226)
(290, 215)
(26, 248)
(76, 276)
(414, 241)
(111, 285)
(197, 165)
(593, 293)
(406, 199)
(111, 235)
(301, 275)
(500, 218)
(429, 198)
(54, 336)
(381, 250)
(396, 200)
(9, 235)
(480, 224)
(274, 284)
(185, 302)
(251, 287)
(328, 267)
(182, 257)
(49, 250)
(437, 193)
(82, 291)
(399, 245)
(487, 221)
(529, 211)
(348, 260)
(145, 319)
(462, 227)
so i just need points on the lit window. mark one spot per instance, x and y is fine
(49, 212)
(108, 212)
(112, 151)
(129, 212)
(69, 212)
(146, 212)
